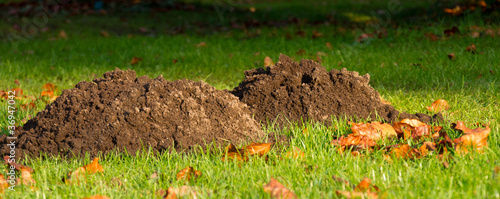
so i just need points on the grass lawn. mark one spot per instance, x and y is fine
(407, 67)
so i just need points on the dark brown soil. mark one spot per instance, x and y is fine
(304, 91)
(124, 112)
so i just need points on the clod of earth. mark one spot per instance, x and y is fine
(307, 91)
(121, 111)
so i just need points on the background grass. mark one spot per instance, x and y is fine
(407, 69)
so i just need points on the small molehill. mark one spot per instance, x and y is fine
(307, 91)
(124, 112)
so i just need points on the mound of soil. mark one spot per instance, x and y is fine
(307, 91)
(124, 112)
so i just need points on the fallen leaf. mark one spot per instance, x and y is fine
(188, 173)
(62, 34)
(26, 178)
(295, 153)
(364, 36)
(3, 183)
(277, 190)
(454, 11)
(427, 147)
(104, 33)
(316, 34)
(438, 106)
(97, 197)
(91, 168)
(451, 56)
(475, 34)
(471, 48)
(482, 3)
(451, 31)
(364, 189)
(375, 130)
(18, 92)
(174, 61)
(252, 9)
(268, 62)
(259, 149)
(431, 36)
(329, 45)
(384, 101)
(182, 192)
(17, 165)
(16, 82)
(301, 52)
(405, 151)
(135, 60)
(413, 128)
(477, 138)
(201, 44)
(28, 106)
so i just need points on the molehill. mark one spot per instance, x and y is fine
(124, 112)
(291, 91)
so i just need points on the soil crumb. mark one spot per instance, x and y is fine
(123, 112)
(291, 91)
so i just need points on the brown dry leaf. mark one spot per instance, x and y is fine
(62, 35)
(18, 92)
(16, 81)
(316, 34)
(329, 45)
(268, 62)
(259, 149)
(363, 37)
(28, 106)
(374, 130)
(295, 153)
(201, 44)
(477, 138)
(277, 190)
(454, 11)
(135, 60)
(104, 33)
(431, 36)
(231, 152)
(426, 147)
(301, 52)
(364, 189)
(174, 61)
(413, 128)
(475, 34)
(438, 106)
(252, 9)
(91, 168)
(471, 48)
(17, 165)
(451, 31)
(188, 173)
(97, 197)
(451, 56)
(182, 192)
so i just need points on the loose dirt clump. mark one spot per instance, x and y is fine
(121, 111)
(307, 91)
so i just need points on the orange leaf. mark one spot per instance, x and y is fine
(62, 34)
(3, 183)
(187, 173)
(438, 106)
(268, 61)
(104, 33)
(413, 128)
(374, 130)
(364, 189)
(28, 106)
(201, 44)
(384, 101)
(473, 138)
(471, 48)
(97, 197)
(257, 149)
(91, 168)
(18, 92)
(329, 45)
(17, 165)
(277, 190)
(26, 178)
(49, 94)
(405, 151)
(451, 56)
(182, 192)
(295, 153)
(135, 60)
(252, 9)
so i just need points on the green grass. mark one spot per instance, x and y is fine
(406, 68)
